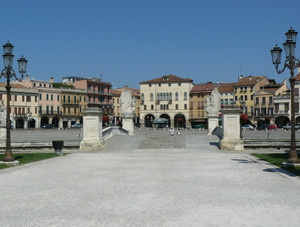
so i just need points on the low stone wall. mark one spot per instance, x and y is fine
(112, 131)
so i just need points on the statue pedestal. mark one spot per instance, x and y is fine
(2, 135)
(213, 121)
(92, 130)
(231, 129)
(128, 124)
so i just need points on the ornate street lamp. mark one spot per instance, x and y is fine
(9, 73)
(291, 63)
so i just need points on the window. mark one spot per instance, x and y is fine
(84, 98)
(235, 89)
(89, 87)
(245, 88)
(79, 98)
(51, 109)
(142, 96)
(231, 101)
(246, 97)
(69, 99)
(57, 97)
(64, 98)
(151, 97)
(145, 107)
(50, 85)
(0, 96)
(47, 109)
(169, 84)
(75, 99)
(179, 84)
(251, 97)
(150, 85)
(40, 85)
(241, 88)
(35, 110)
(159, 85)
(185, 106)
(191, 105)
(35, 98)
(75, 110)
(40, 109)
(58, 110)
(15, 98)
(270, 100)
(176, 106)
(257, 100)
(64, 110)
(28, 98)
(44, 85)
(47, 97)
(251, 88)
(28, 110)
(51, 97)
(221, 101)
(34, 84)
(69, 110)
(241, 99)
(170, 96)
(176, 96)
(235, 98)
(23, 98)
(263, 100)
(226, 101)
(40, 96)
(185, 96)
(152, 107)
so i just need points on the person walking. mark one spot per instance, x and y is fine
(178, 132)
(171, 131)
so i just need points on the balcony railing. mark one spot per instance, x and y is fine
(281, 111)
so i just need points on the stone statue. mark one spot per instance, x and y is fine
(2, 113)
(213, 102)
(127, 104)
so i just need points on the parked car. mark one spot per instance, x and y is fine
(48, 126)
(248, 127)
(272, 126)
(263, 127)
(76, 125)
(289, 127)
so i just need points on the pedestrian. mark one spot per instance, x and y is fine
(178, 132)
(171, 132)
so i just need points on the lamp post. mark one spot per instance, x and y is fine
(9, 73)
(291, 63)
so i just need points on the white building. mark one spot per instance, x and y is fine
(166, 97)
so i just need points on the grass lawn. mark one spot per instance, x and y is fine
(278, 159)
(24, 158)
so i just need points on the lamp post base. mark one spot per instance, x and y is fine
(8, 157)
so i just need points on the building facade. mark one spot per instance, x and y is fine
(198, 94)
(23, 105)
(244, 91)
(166, 97)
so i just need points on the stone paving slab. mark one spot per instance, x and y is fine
(195, 186)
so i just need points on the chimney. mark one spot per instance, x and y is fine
(26, 77)
(51, 79)
(240, 77)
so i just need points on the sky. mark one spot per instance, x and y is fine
(129, 41)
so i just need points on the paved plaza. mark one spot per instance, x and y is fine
(150, 179)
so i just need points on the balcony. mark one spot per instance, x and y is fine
(170, 102)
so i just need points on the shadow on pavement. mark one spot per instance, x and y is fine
(279, 170)
(245, 161)
(214, 144)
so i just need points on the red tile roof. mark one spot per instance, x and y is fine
(250, 80)
(203, 88)
(13, 85)
(226, 87)
(167, 79)
(297, 76)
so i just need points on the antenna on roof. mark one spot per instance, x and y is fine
(101, 76)
(240, 68)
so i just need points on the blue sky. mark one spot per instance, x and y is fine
(130, 41)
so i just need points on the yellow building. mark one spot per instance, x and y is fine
(73, 101)
(23, 105)
(244, 91)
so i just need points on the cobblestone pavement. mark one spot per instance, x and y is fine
(192, 185)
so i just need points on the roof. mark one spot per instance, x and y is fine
(226, 87)
(13, 85)
(133, 91)
(167, 79)
(203, 88)
(297, 77)
(250, 80)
